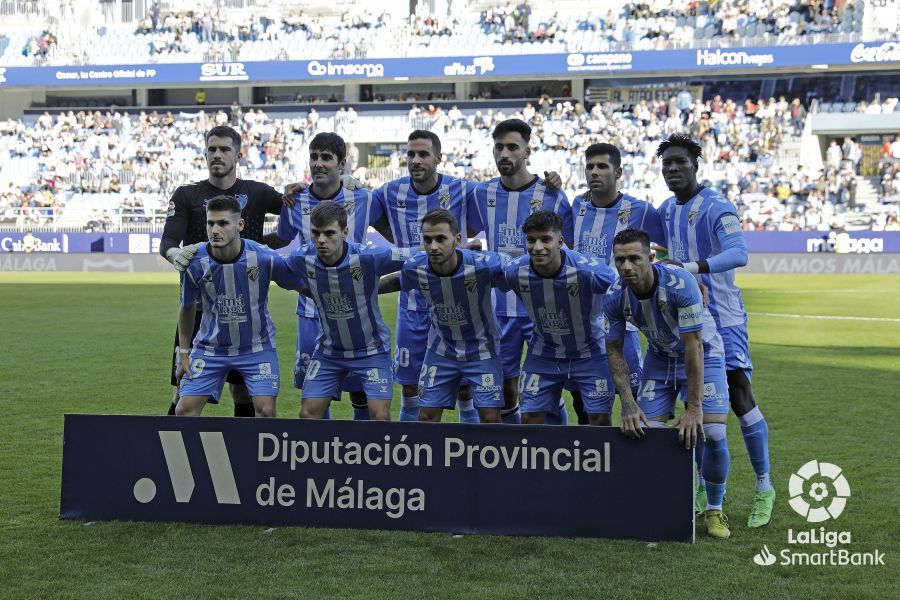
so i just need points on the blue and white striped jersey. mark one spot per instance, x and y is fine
(405, 207)
(294, 222)
(500, 212)
(707, 227)
(346, 296)
(674, 307)
(595, 228)
(234, 295)
(463, 323)
(566, 316)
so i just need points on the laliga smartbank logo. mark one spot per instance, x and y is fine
(818, 493)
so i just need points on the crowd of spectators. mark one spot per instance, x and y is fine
(141, 157)
(218, 33)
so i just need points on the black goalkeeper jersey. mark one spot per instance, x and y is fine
(186, 215)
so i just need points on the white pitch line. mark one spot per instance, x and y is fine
(826, 317)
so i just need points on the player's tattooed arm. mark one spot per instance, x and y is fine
(389, 283)
(690, 425)
(632, 415)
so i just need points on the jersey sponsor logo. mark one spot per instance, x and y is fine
(678, 250)
(731, 224)
(265, 373)
(509, 239)
(553, 322)
(593, 244)
(374, 376)
(711, 393)
(488, 384)
(231, 309)
(415, 232)
(623, 216)
(338, 306)
(252, 273)
(451, 315)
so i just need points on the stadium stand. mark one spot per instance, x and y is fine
(181, 31)
(118, 169)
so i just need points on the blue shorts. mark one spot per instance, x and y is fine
(543, 380)
(260, 370)
(664, 380)
(325, 376)
(514, 332)
(308, 330)
(410, 344)
(442, 377)
(737, 349)
(634, 359)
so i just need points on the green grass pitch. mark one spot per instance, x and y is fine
(97, 343)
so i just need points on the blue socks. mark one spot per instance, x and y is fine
(715, 464)
(361, 413)
(756, 438)
(561, 417)
(409, 408)
(467, 412)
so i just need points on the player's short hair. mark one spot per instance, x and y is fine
(328, 212)
(223, 203)
(225, 131)
(331, 142)
(681, 140)
(542, 220)
(631, 235)
(421, 134)
(512, 126)
(614, 155)
(436, 216)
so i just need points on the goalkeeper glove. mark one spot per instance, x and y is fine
(181, 257)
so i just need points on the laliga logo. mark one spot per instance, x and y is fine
(180, 473)
(818, 476)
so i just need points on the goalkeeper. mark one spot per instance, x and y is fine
(185, 229)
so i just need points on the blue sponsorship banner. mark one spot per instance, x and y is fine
(852, 242)
(488, 479)
(866, 54)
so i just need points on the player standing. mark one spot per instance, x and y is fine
(684, 352)
(598, 215)
(230, 277)
(327, 160)
(500, 209)
(464, 342)
(342, 279)
(405, 202)
(703, 234)
(558, 289)
(186, 224)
